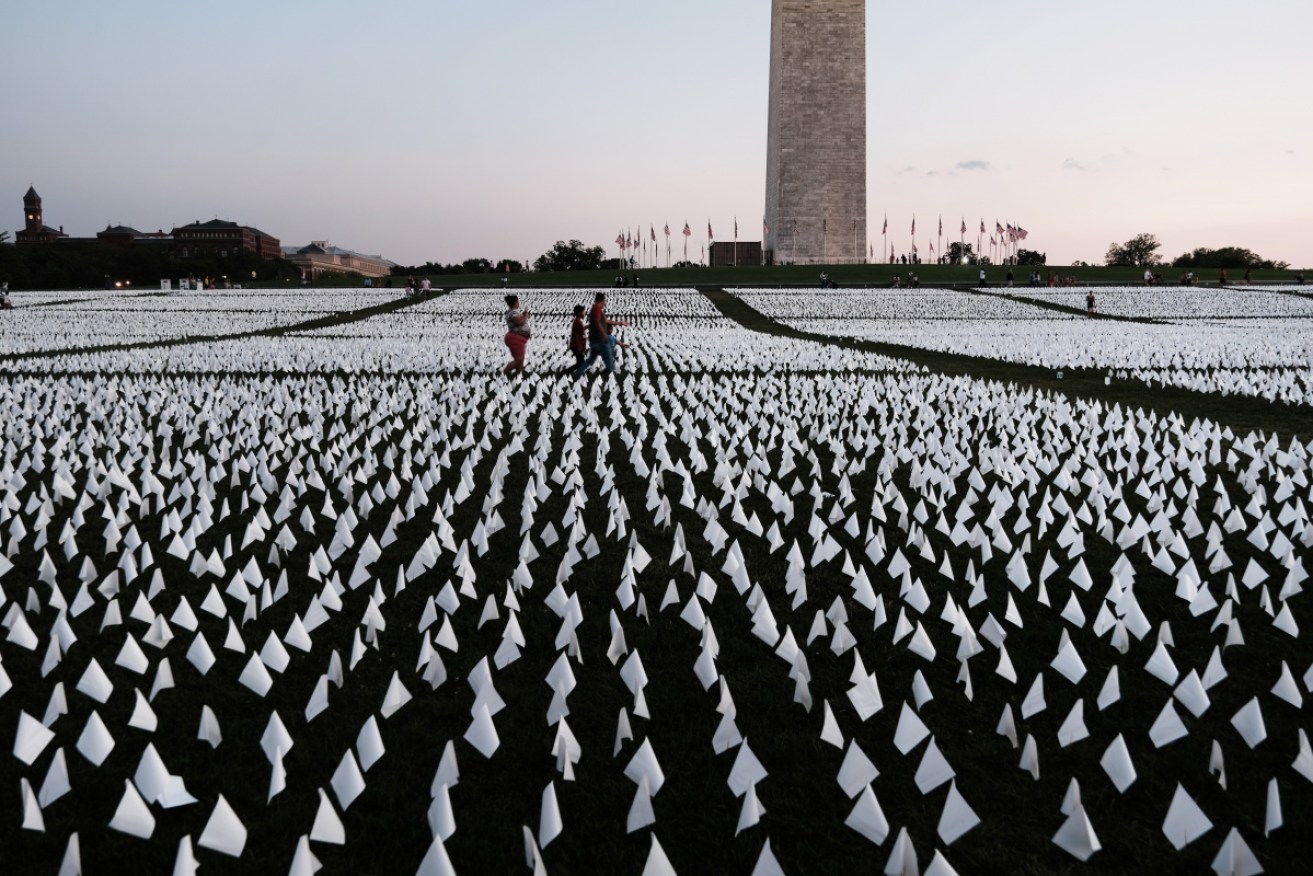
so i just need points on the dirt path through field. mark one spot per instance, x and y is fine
(1241, 413)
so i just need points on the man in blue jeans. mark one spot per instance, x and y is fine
(599, 338)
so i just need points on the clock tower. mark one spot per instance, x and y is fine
(34, 227)
(32, 212)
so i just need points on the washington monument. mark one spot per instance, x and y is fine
(816, 135)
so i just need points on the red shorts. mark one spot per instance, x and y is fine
(518, 344)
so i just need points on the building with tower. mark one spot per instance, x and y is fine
(816, 133)
(217, 238)
(34, 228)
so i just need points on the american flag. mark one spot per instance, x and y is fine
(711, 235)
(998, 229)
(914, 227)
(620, 241)
(964, 225)
(687, 231)
(667, 229)
(885, 230)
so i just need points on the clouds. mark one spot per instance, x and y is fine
(1073, 164)
(972, 165)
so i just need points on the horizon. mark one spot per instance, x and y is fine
(339, 122)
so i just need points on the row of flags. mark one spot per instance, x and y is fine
(1003, 236)
(631, 239)
(1011, 233)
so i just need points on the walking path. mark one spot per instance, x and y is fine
(1240, 413)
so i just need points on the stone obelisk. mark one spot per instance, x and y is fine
(816, 137)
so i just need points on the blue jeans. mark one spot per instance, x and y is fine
(597, 350)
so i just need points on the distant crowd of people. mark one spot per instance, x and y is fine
(418, 288)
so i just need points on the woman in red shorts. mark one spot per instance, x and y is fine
(517, 334)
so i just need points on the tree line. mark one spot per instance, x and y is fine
(94, 265)
(1141, 251)
(564, 255)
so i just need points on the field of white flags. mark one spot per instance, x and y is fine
(305, 585)
(1226, 341)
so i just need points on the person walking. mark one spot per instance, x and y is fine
(578, 341)
(599, 338)
(517, 334)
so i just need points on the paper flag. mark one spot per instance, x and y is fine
(867, 818)
(1185, 821)
(224, 832)
(957, 818)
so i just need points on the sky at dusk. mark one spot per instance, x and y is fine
(442, 130)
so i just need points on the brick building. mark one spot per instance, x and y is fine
(124, 235)
(220, 238)
(34, 228)
(217, 238)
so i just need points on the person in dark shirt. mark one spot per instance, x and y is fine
(578, 341)
(599, 336)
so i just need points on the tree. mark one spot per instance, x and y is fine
(477, 266)
(1226, 257)
(572, 256)
(958, 251)
(1140, 251)
(1031, 258)
(4, 236)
